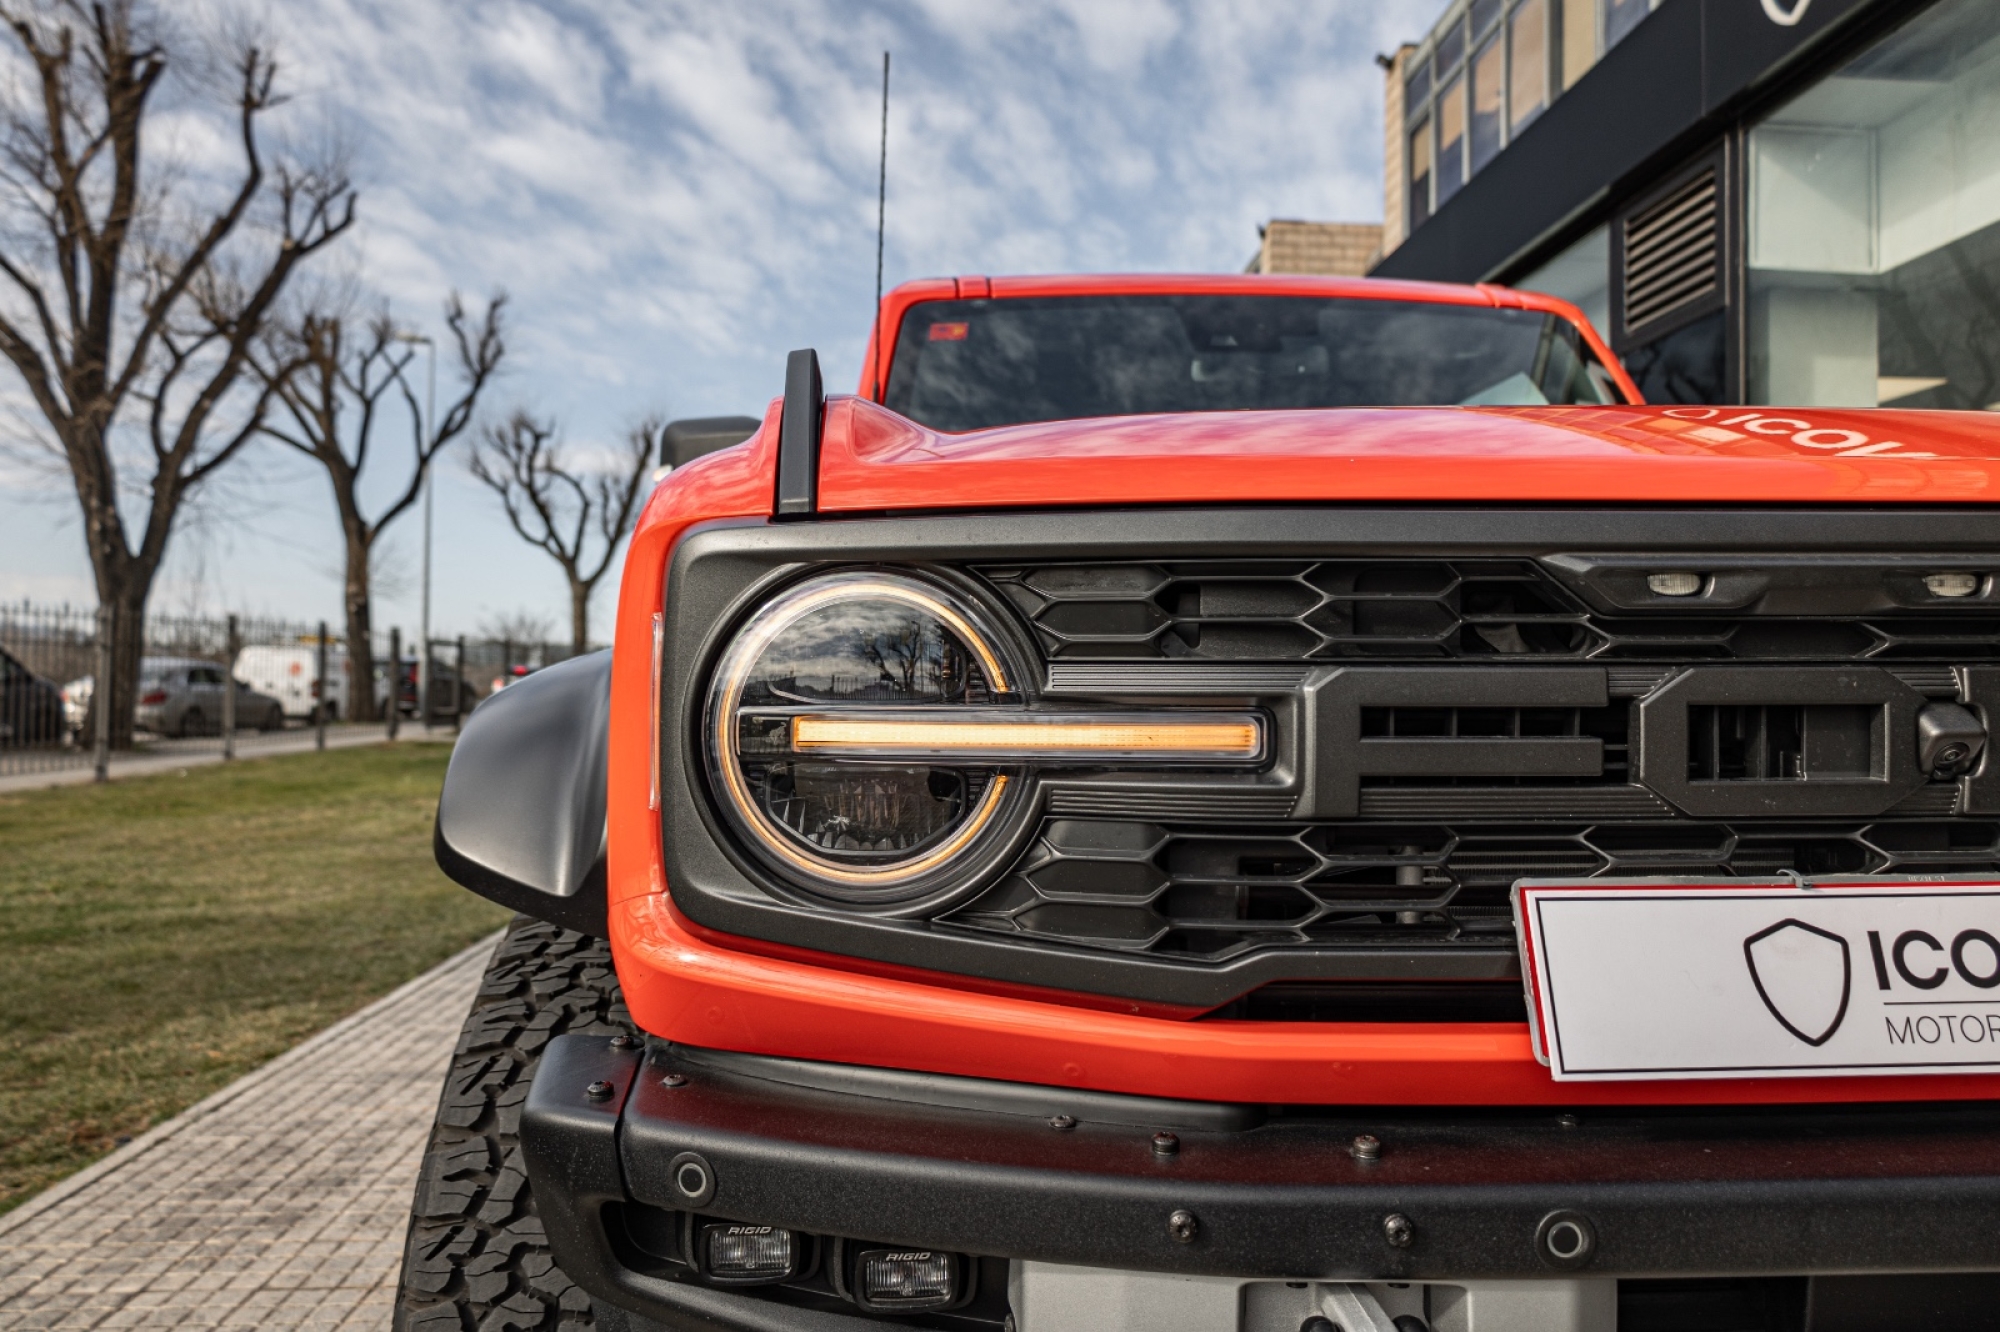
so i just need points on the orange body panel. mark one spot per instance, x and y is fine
(693, 986)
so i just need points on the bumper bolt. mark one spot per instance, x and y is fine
(674, 1080)
(1366, 1147)
(624, 1040)
(1165, 1144)
(1062, 1123)
(1399, 1230)
(1567, 1121)
(599, 1090)
(1182, 1226)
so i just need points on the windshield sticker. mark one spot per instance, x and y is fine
(954, 332)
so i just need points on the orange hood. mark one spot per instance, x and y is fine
(875, 460)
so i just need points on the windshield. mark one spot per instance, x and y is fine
(971, 365)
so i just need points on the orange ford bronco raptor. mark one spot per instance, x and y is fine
(1248, 805)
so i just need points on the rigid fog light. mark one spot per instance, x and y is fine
(905, 1280)
(749, 1255)
(1674, 584)
(1952, 584)
(867, 735)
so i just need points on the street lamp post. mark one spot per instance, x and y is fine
(429, 422)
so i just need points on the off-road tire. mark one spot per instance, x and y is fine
(476, 1257)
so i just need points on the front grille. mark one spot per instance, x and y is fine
(1415, 610)
(1211, 892)
(1608, 727)
(1306, 611)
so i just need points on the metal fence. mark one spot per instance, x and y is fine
(229, 685)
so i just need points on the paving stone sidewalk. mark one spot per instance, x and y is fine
(280, 1201)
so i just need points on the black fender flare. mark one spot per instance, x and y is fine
(521, 817)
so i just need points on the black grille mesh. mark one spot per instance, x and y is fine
(1211, 892)
(1411, 609)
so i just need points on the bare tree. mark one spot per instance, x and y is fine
(317, 369)
(129, 305)
(564, 508)
(520, 628)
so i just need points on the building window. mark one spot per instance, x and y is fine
(1524, 52)
(1527, 64)
(1420, 174)
(1621, 16)
(1489, 70)
(1874, 225)
(1451, 138)
(1686, 365)
(1450, 45)
(1579, 39)
(1580, 275)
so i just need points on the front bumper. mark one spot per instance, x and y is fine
(981, 1168)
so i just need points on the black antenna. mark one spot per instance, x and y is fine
(881, 217)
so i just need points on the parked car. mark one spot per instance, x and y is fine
(31, 708)
(185, 697)
(290, 674)
(1246, 804)
(509, 675)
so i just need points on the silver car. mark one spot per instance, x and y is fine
(184, 697)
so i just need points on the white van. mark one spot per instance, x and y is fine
(291, 675)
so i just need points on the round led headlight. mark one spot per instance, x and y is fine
(815, 727)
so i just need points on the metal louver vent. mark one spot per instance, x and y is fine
(1672, 251)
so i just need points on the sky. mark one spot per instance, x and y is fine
(673, 195)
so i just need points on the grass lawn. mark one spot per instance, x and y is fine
(164, 935)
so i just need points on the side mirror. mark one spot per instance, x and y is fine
(684, 441)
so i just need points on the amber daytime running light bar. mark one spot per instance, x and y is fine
(1046, 737)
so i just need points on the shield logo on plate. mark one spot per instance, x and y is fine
(1802, 973)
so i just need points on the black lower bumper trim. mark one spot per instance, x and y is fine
(1664, 1193)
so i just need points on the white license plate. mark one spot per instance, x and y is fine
(1678, 978)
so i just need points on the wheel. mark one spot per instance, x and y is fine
(274, 719)
(476, 1256)
(193, 723)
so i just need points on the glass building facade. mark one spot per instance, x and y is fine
(1481, 77)
(1788, 202)
(1874, 225)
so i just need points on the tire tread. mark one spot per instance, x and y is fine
(476, 1257)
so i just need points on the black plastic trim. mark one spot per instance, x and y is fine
(799, 426)
(719, 568)
(1334, 700)
(681, 442)
(521, 816)
(1665, 1193)
(569, 1145)
(585, 911)
(1663, 741)
(944, 1091)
